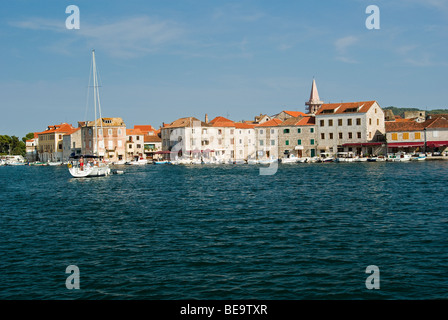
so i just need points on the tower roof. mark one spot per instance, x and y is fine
(314, 96)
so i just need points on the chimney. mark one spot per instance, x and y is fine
(206, 118)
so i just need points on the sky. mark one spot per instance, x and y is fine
(163, 60)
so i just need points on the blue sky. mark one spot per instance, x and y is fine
(161, 60)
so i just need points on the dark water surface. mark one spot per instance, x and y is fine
(225, 232)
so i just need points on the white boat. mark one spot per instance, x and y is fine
(160, 161)
(80, 166)
(139, 162)
(291, 159)
(239, 161)
(16, 160)
(325, 157)
(267, 161)
(54, 163)
(303, 160)
(399, 157)
(418, 157)
(252, 161)
(119, 162)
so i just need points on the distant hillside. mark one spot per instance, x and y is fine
(400, 111)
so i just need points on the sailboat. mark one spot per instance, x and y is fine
(83, 166)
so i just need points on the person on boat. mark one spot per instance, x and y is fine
(81, 163)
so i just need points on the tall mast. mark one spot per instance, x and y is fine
(95, 89)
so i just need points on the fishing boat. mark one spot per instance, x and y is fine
(84, 166)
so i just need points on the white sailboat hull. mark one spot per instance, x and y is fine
(89, 172)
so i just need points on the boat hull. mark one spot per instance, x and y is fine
(90, 172)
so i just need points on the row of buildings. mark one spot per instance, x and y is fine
(360, 128)
(106, 137)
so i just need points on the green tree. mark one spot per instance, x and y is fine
(28, 136)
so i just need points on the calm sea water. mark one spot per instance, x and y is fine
(225, 232)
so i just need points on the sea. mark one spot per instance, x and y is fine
(322, 231)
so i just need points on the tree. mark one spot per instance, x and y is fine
(28, 136)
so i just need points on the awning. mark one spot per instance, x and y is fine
(435, 144)
(363, 144)
(162, 152)
(405, 144)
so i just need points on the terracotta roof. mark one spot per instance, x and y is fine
(152, 139)
(439, 122)
(222, 122)
(345, 107)
(295, 113)
(240, 125)
(299, 121)
(134, 132)
(394, 126)
(271, 123)
(72, 131)
(145, 128)
(59, 128)
(185, 122)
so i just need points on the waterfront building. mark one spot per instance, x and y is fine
(135, 144)
(357, 127)
(31, 148)
(187, 137)
(110, 135)
(267, 139)
(71, 144)
(51, 142)
(413, 137)
(297, 136)
(244, 146)
(152, 144)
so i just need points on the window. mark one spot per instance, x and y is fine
(219, 131)
(285, 130)
(138, 137)
(312, 130)
(109, 132)
(261, 131)
(321, 123)
(111, 144)
(312, 141)
(358, 135)
(331, 135)
(241, 141)
(240, 132)
(60, 137)
(339, 122)
(330, 123)
(272, 142)
(417, 136)
(299, 131)
(204, 131)
(375, 110)
(358, 121)
(349, 122)
(120, 144)
(219, 141)
(370, 135)
(405, 135)
(231, 131)
(370, 121)
(287, 142)
(74, 145)
(100, 132)
(340, 135)
(232, 141)
(139, 146)
(272, 131)
(107, 121)
(377, 122)
(261, 142)
(299, 142)
(322, 136)
(394, 136)
(350, 135)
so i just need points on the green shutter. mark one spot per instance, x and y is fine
(299, 142)
(312, 141)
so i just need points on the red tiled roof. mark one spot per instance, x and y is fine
(295, 113)
(134, 132)
(59, 128)
(220, 119)
(145, 128)
(152, 139)
(345, 107)
(299, 121)
(72, 131)
(393, 126)
(240, 125)
(271, 123)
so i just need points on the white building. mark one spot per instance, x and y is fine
(351, 127)
(71, 144)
